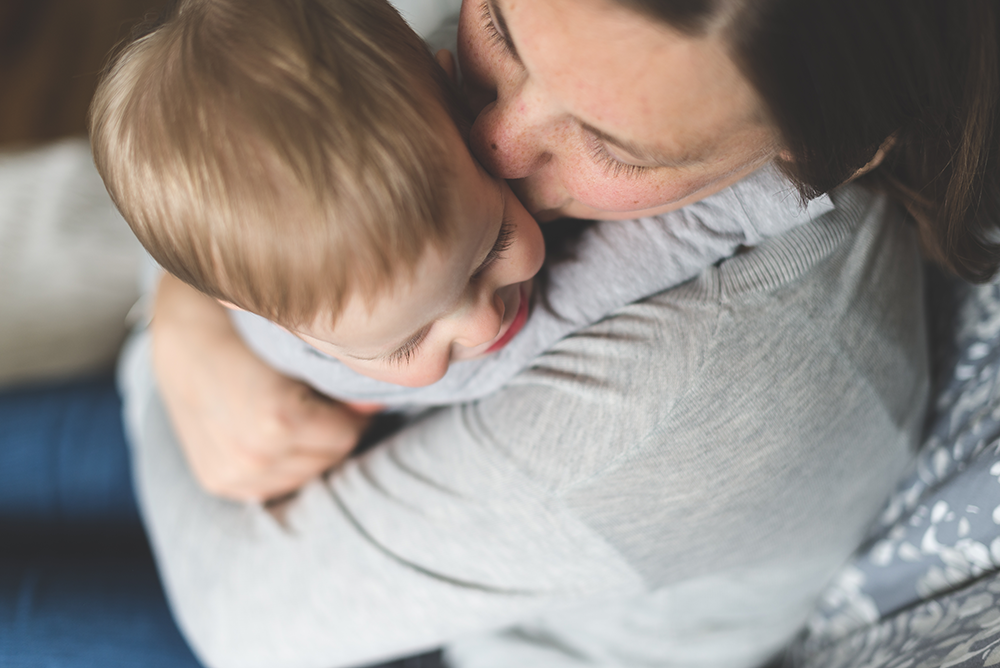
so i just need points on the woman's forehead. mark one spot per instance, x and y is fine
(631, 76)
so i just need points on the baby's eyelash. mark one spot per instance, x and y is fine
(504, 241)
(495, 36)
(613, 166)
(405, 352)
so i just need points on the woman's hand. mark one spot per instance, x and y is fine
(248, 432)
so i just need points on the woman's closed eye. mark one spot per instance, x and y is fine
(493, 25)
(494, 34)
(612, 165)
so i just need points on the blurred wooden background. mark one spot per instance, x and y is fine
(51, 52)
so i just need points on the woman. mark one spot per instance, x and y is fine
(674, 500)
(738, 111)
(673, 484)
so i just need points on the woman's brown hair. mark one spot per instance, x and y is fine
(841, 79)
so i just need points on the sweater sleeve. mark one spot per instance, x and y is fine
(751, 421)
(441, 531)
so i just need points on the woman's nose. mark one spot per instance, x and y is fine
(508, 136)
(481, 322)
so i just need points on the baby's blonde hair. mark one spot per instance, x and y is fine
(282, 155)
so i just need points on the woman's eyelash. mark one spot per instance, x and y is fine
(404, 353)
(494, 34)
(504, 240)
(613, 166)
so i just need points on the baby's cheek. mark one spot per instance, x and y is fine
(417, 373)
(424, 374)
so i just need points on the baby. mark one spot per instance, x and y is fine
(304, 162)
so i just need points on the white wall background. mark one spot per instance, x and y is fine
(426, 15)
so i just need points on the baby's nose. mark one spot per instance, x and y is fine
(482, 323)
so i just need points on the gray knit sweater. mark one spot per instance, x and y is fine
(671, 486)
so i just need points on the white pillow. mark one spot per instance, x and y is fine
(68, 265)
(426, 16)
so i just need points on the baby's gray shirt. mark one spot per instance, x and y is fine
(615, 263)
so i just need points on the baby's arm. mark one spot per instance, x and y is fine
(620, 262)
(247, 432)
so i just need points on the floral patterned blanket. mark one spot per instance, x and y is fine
(924, 592)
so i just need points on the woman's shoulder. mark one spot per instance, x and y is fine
(841, 295)
(838, 297)
(858, 229)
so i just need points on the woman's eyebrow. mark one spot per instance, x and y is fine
(503, 29)
(642, 152)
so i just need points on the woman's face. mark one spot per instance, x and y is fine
(592, 110)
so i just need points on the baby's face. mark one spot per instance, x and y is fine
(464, 301)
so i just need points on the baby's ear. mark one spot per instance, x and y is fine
(446, 60)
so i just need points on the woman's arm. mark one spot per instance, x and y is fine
(247, 431)
(750, 423)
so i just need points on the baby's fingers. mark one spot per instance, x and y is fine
(326, 427)
(285, 476)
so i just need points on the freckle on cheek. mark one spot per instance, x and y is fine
(493, 146)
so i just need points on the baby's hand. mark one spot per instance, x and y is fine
(248, 432)
(365, 407)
